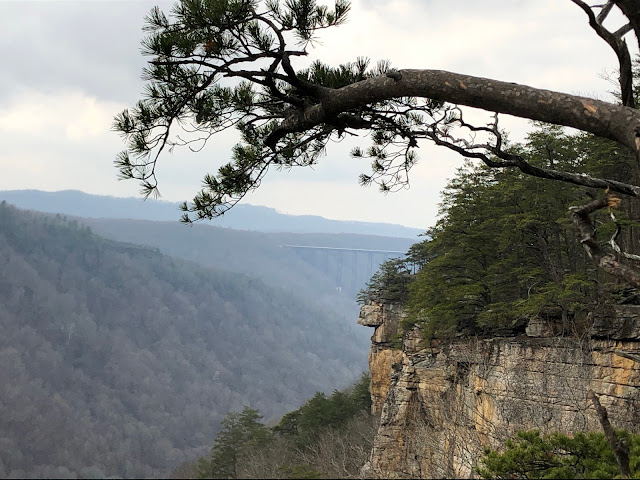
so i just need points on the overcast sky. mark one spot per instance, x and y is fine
(69, 66)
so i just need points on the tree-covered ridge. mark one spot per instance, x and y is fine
(328, 437)
(244, 217)
(118, 360)
(503, 249)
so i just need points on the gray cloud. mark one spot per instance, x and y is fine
(93, 47)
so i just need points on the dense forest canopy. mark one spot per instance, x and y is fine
(120, 361)
(503, 250)
(219, 64)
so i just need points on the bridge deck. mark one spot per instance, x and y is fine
(364, 250)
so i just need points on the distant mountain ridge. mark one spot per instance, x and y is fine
(241, 217)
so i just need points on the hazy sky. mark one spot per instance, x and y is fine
(69, 66)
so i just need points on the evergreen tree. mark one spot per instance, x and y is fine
(321, 412)
(389, 284)
(533, 455)
(327, 437)
(503, 250)
(240, 432)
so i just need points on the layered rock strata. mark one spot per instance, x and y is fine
(440, 406)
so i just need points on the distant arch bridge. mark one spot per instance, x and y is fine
(362, 262)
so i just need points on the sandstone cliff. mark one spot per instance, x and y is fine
(440, 406)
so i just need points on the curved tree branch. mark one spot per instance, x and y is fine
(287, 117)
(603, 119)
(606, 261)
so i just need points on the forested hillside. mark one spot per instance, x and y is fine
(119, 360)
(312, 273)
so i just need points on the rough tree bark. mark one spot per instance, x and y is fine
(608, 120)
(618, 445)
(605, 260)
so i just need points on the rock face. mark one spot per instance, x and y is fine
(383, 354)
(440, 406)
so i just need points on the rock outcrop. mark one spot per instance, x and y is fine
(440, 406)
(384, 352)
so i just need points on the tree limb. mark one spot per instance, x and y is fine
(605, 260)
(618, 445)
(631, 10)
(603, 119)
(618, 45)
(606, 9)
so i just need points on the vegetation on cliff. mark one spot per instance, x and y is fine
(328, 437)
(390, 284)
(503, 249)
(583, 455)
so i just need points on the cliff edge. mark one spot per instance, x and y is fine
(441, 405)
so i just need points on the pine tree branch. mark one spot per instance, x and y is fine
(603, 119)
